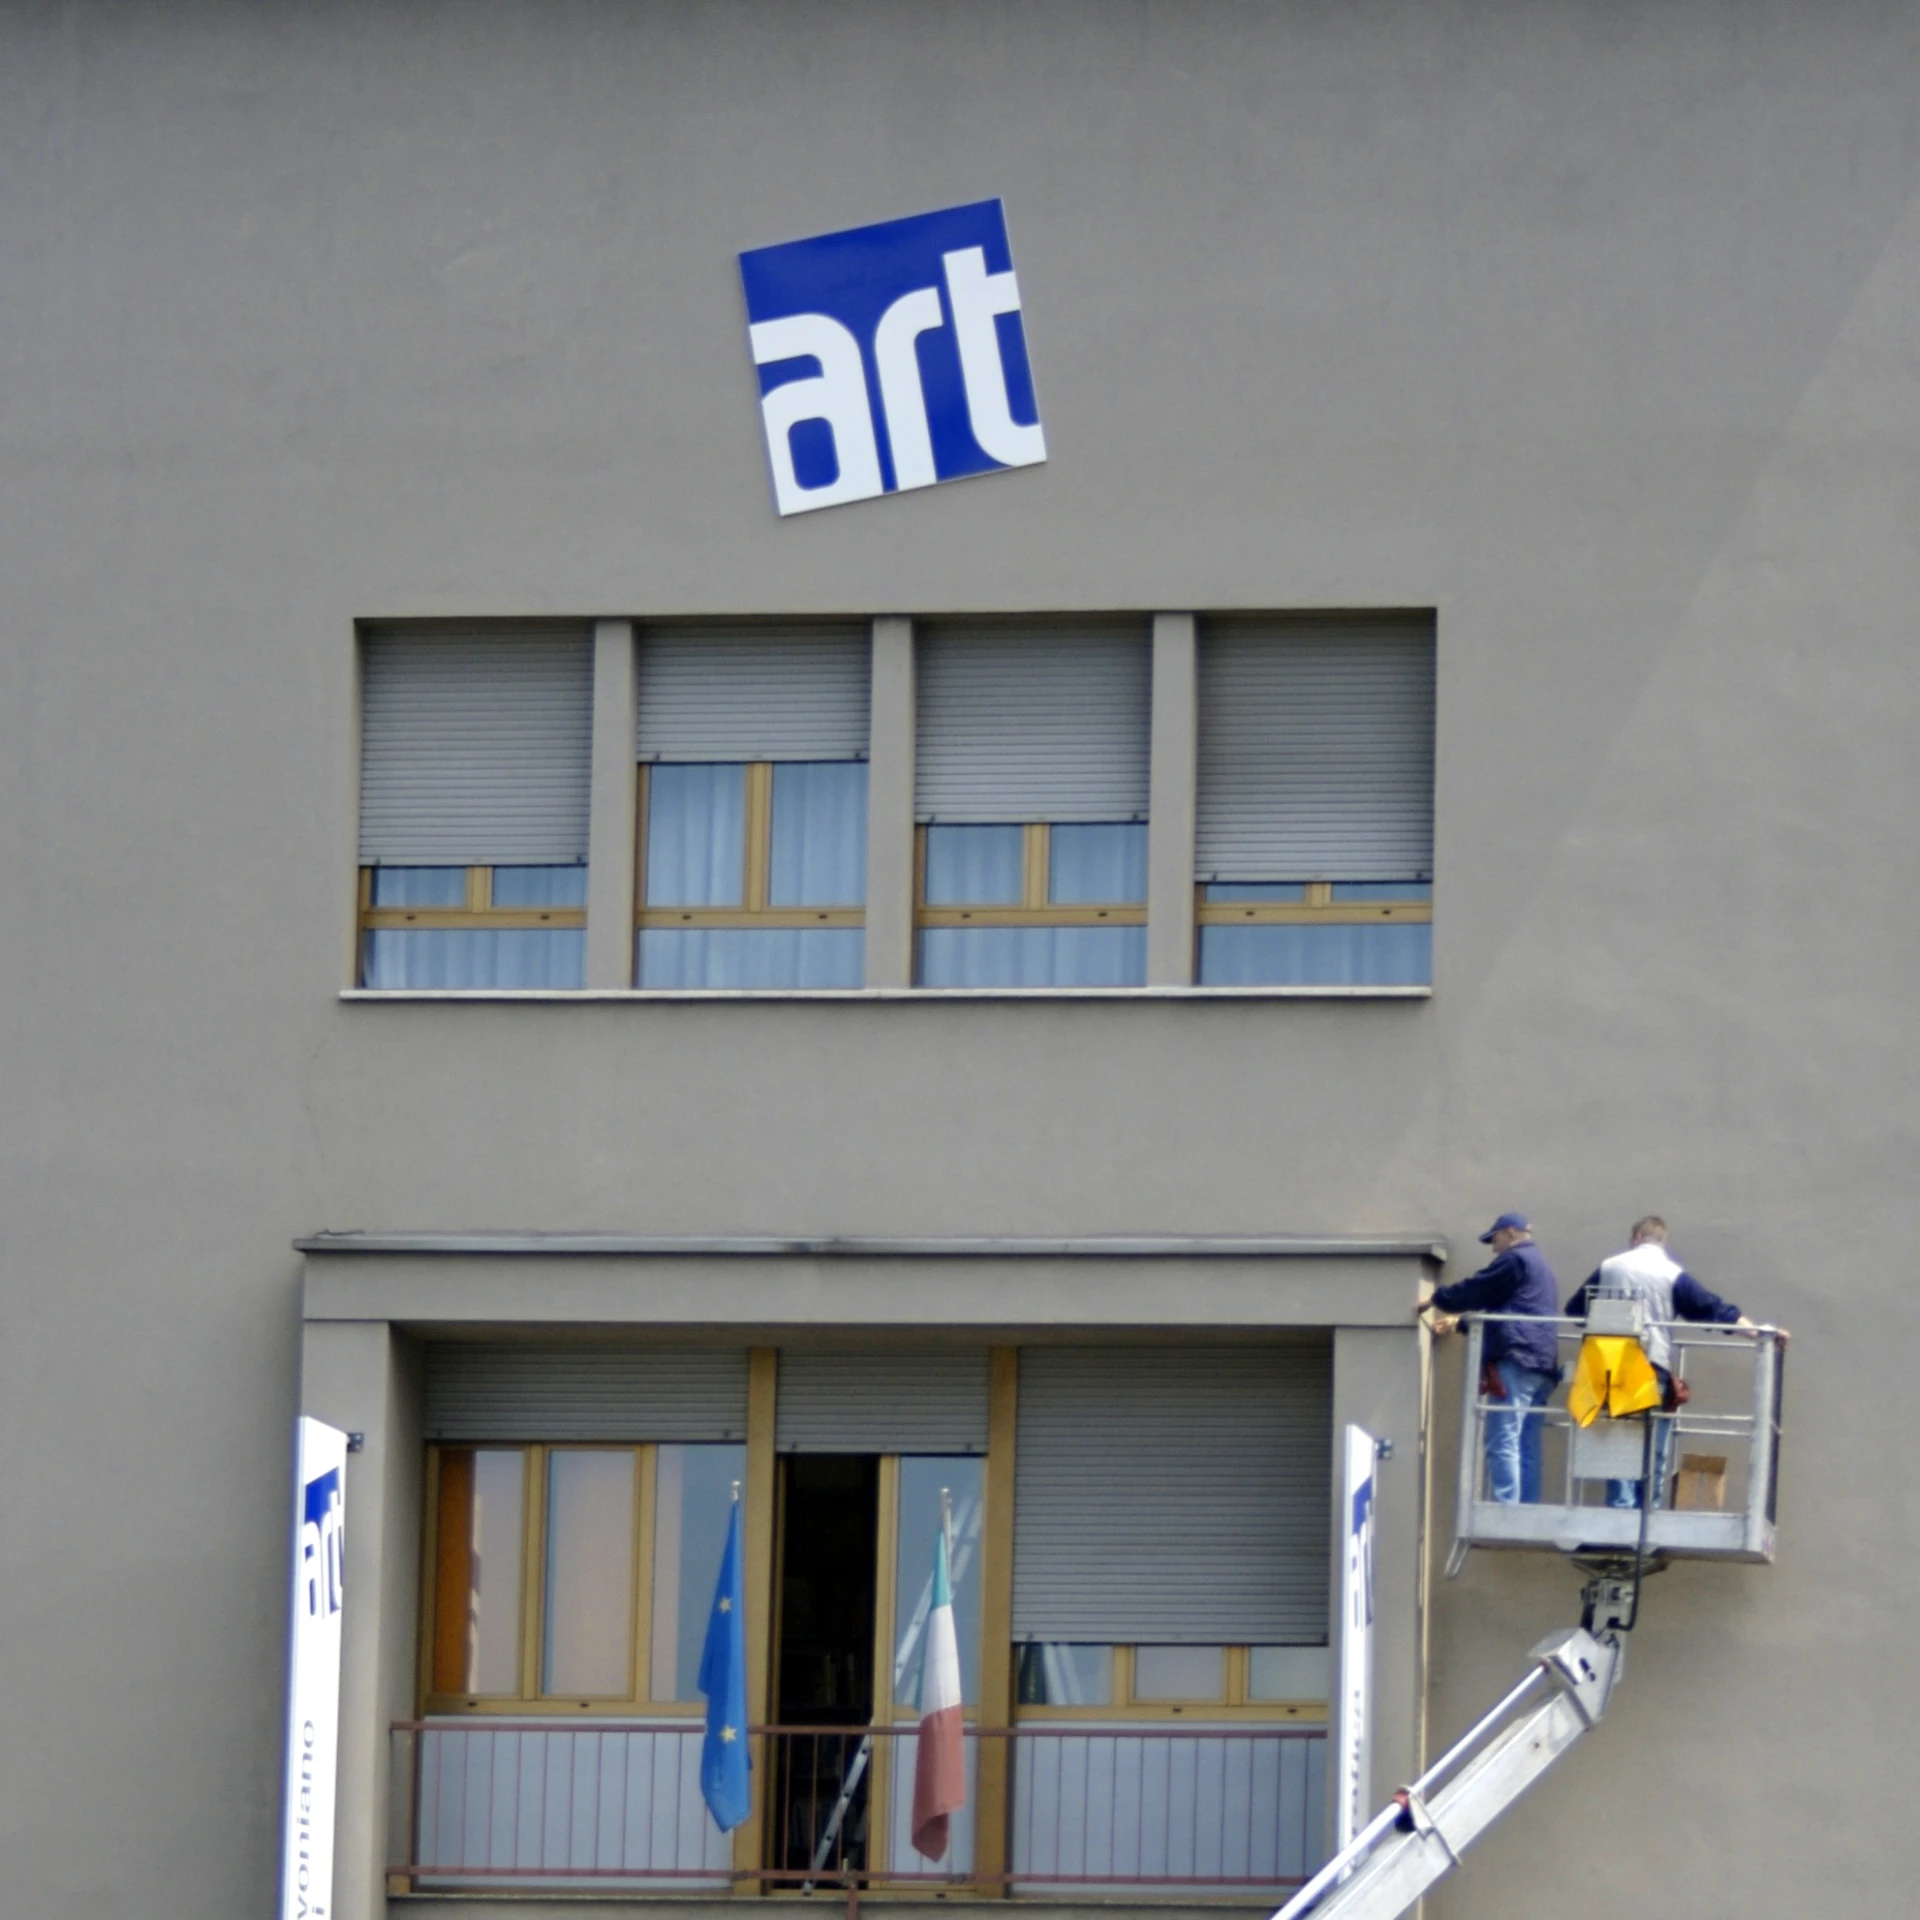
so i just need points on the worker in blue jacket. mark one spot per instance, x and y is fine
(1521, 1361)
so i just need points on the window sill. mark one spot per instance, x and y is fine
(558, 996)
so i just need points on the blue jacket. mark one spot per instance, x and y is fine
(1517, 1281)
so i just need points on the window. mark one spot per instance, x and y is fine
(478, 1585)
(1042, 905)
(447, 926)
(1316, 933)
(574, 1576)
(1074, 1678)
(753, 875)
(922, 1480)
(1315, 802)
(1135, 1473)
(693, 1488)
(473, 808)
(1031, 802)
(753, 808)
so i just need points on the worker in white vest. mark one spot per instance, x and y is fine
(1667, 1292)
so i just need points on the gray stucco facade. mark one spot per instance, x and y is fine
(1590, 328)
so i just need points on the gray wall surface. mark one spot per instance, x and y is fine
(1592, 325)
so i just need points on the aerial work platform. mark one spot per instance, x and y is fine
(1718, 1455)
(1418, 1837)
(1716, 1500)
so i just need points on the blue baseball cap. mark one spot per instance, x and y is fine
(1506, 1220)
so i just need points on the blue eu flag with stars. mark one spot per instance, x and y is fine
(723, 1679)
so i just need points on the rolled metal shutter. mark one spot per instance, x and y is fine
(1049, 722)
(476, 747)
(488, 1390)
(754, 691)
(929, 1402)
(1316, 749)
(1177, 1495)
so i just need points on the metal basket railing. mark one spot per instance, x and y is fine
(1717, 1498)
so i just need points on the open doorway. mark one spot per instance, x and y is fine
(824, 1661)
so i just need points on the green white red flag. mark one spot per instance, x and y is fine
(939, 1771)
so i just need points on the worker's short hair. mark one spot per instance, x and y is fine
(1651, 1228)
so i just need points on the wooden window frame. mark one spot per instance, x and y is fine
(1319, 908)
(757, 877)
(1233, 1707)
(529, 1700)
(478, 912)
(1034, 909)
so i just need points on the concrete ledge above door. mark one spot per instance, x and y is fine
(1030, 1288)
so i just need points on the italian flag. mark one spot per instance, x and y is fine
(939, 1769)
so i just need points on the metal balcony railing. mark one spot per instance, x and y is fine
(614, 1806)
(1716, 1499)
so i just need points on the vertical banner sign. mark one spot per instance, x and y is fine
(1354, 1801)
(313, 1706)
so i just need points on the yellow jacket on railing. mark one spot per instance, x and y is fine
(1612, 1375)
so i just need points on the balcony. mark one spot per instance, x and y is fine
(614, 1807)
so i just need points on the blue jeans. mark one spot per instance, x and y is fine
(1626, 1493)
(1513, 1434)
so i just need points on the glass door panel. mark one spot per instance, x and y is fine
(692, 1503)
(922, 1477)
(589, 1611)
(477, 1587)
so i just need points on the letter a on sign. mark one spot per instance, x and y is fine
(891, 357)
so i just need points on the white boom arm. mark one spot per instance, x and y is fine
(1421, 1835)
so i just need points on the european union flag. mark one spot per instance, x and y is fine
(723, 1679)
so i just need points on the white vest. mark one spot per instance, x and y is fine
(1646, 1274)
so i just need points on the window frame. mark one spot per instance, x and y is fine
(889, 1710)
(1234, 1705)
(757, 856)
(1034, 908)
(1319, 908)
(529, 1700)
(477, 912)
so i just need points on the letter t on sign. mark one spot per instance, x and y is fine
(979, 297)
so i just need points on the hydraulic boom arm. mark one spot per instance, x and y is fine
(1424, 1831)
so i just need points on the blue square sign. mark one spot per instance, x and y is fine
(891, 357)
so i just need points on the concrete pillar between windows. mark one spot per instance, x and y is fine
(356, 1376)
(610, 828)
(1376, 1385)
(1170, 955)
(890, 806)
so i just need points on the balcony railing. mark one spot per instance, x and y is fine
(615, 1806)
